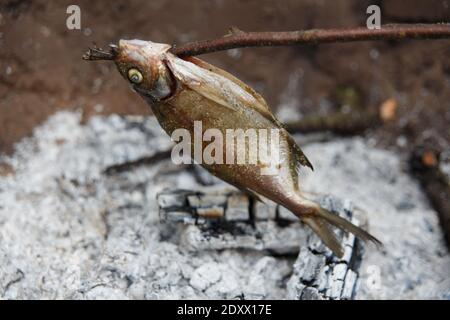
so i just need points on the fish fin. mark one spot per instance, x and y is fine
(323, 230)
(208, 84)
(262, 106)
(217, 85)
(319, 220)
(299, 157)
(346, 225)
(253, 194)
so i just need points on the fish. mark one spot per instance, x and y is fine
(182, 91)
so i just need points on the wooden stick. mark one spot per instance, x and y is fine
(239, 39)
(424, 164)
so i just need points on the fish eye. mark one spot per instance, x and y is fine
(135, 76)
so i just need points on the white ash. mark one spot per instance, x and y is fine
(69, 231)
(288, 109)
(414, 262)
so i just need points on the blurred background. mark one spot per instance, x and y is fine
(41, 70)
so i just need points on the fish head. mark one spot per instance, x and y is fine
(142, 64)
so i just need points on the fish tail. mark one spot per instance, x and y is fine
(346, 225)
(320, 221)
(323, 230)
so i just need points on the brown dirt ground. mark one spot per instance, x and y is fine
(41, 70)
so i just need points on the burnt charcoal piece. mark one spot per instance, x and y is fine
(425, 165)
(230, 220)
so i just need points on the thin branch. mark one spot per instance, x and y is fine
(425, 165)
(340, 123)
(238, 39)
(96, 53)
(144, 161)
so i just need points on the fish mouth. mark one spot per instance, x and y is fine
(95, 53)
(143, 92)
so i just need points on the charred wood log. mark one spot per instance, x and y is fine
(230, 220)
(425, 165)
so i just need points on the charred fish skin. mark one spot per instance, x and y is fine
(183, 91)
